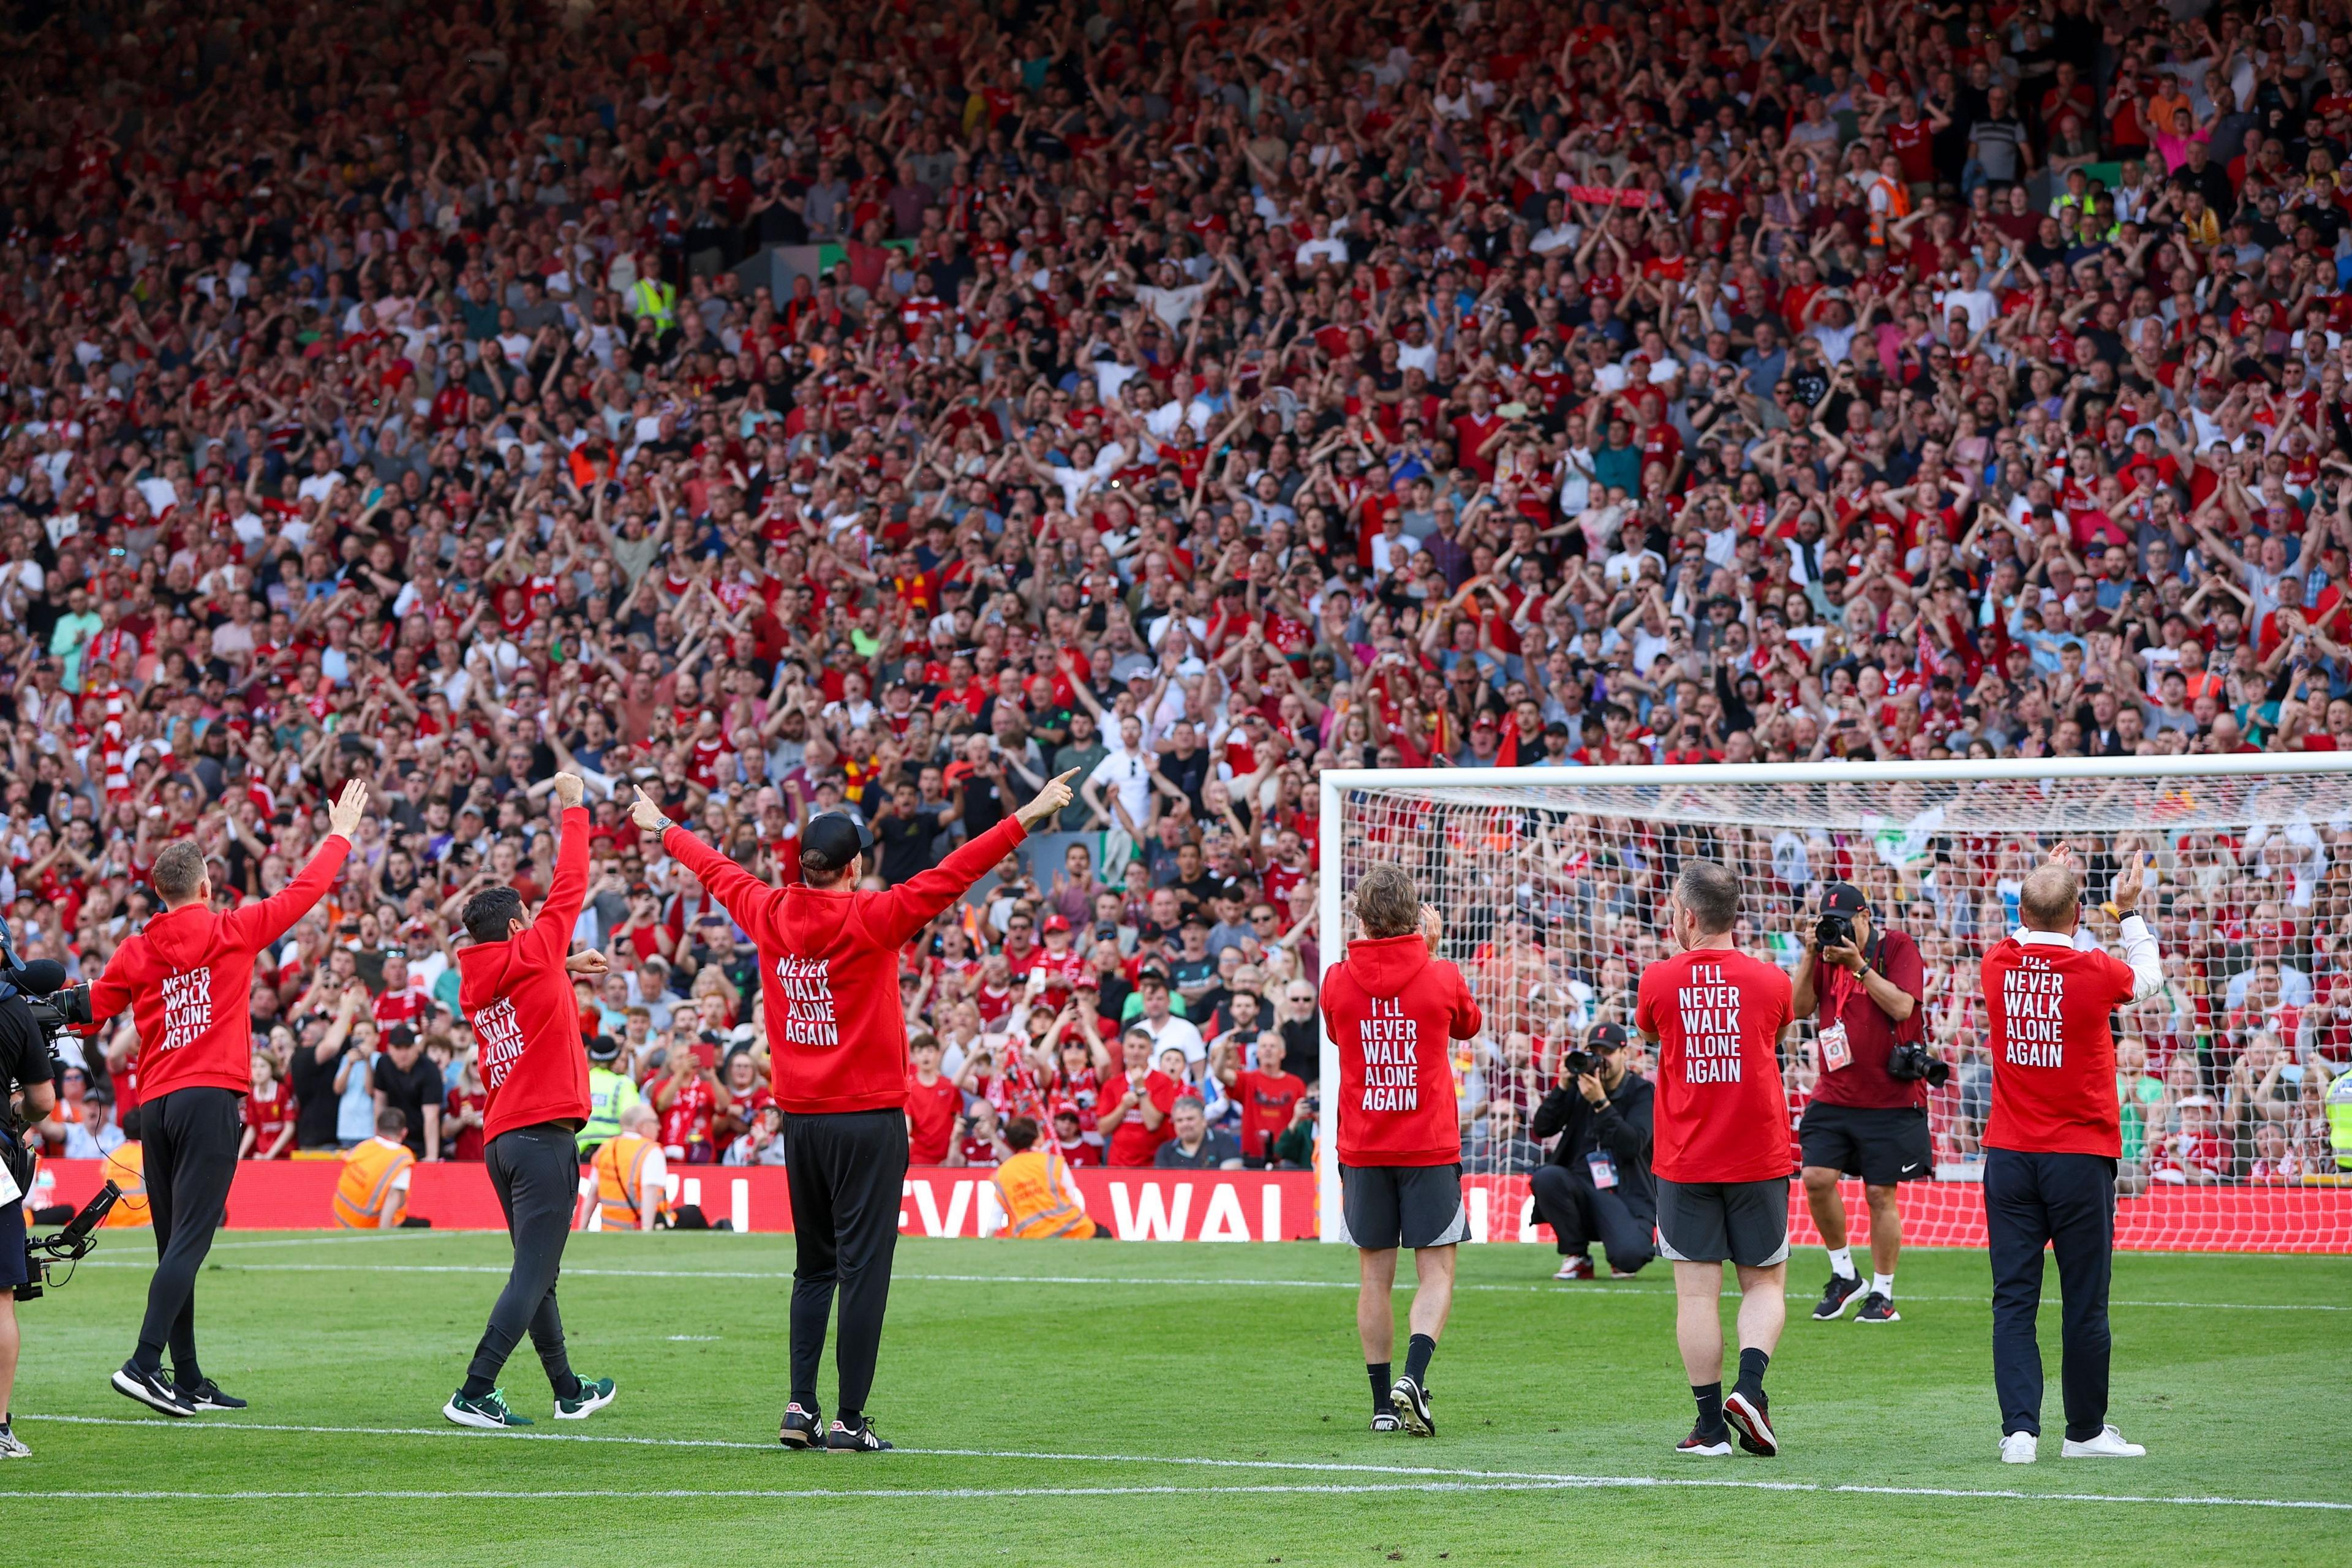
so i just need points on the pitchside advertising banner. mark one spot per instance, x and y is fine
(1251, 1205)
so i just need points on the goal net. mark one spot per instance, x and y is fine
(1553, 886)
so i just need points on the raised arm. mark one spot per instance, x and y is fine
(259, 924)
(905, 908)
(550, 936)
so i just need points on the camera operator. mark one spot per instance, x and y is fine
(27, 1093)
(1864, 1120)
(1597, 1186)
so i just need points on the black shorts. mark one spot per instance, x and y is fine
(1388, 1206)
(1707, 1222)
(13, 1271)
(1881, 1144)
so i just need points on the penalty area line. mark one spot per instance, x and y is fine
(1411, 1477)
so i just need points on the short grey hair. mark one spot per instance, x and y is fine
(1711, 893)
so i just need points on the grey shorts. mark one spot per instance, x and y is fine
(1388, 1206)
(1708, 1222)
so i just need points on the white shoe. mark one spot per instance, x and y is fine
(2108, 1444)
(2020, 1449)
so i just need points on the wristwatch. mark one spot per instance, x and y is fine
(662, 825)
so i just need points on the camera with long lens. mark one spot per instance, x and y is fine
(1580, 1064)
(67, 1247)
(1910, 1062)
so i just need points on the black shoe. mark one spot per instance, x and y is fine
(1412, 1402)
(1386, 1421)
(1702, 1444)
(803, 1426)
(205, 1395)
(1877, 1309)
(1749, 1414)
(857, 1439)
(1836, 1296)
(150, 1390)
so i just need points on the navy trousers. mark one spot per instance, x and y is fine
(2068, 1202)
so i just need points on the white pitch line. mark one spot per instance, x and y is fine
(1547, 1288)
(1425, 1478)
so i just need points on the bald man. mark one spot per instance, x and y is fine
(2052, 1142)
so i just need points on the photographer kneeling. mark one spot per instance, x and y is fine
(1598, 1185)
(27, 1093)
(1868, 1116)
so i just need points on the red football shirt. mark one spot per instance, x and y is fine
(2053, 1058)
(1132, 1142)
(1721, 1114)
(1266, 1100)
(1392, 1006)
(931, 1112)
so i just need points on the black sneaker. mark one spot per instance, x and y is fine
(1836, 1296)
(857, 1439)
(205, 1395)
(1412, 1402)
(1387, 1421)
(595, 1393)
(803, 1426)
(1877, 1309)
(1702, 1444)
(150, 1390)
(1749, 1414)
(489, 1412)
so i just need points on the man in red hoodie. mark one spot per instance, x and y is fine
(187, 978)
(515, 986)
(1392, 1006)
(829, 954)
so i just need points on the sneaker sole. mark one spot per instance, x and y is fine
(1751, 1423)
(800, 1440)
(588, 1410)
(1890, 1318)
(129, 1388)
(1411, 1410)
(2097, 1453)
(210, 1405)
(1712, 1451)
(480, 1423)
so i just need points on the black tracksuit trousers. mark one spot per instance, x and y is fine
(536, 1171)
(189, 1140)
(846, 1171)
(2067, 1201)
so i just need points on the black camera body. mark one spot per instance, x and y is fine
(1911, 1062)
(1834, 931)
(1580, 1064)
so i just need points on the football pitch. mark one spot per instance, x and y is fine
(1143, 1403)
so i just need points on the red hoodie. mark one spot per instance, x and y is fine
(519, 999)
(1392, 1006)
(829, 968)
(187, 979)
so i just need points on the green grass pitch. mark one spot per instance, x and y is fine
(1130, 1403)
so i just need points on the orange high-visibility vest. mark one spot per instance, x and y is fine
(621, 1186)
(126, 1167)
(369, 1171)
(1040, 1202)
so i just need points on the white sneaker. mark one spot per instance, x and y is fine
(2020, 1449)
(2108, 1444)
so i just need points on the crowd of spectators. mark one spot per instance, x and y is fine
(1198, 393)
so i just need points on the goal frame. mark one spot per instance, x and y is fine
(1333, 784)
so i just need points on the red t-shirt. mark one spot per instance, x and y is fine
(1391, 1008)
(2054, 1059)
(519, 1001)
(931, 1112)
(1132, 1142)
(1266, 1100)
(1721, 1115)
(268, 1116)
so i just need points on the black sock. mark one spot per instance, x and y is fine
(557, 1365)
(849, 1418)
(1752, 1362)
(1378, 1370)
(1416, 1358)
(475, 1386)
(1710, 1405)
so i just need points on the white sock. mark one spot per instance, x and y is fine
(1841, 1262)
(1884, 1284)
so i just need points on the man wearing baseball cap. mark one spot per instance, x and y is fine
(1863, 1120)
(1598, 1186)
(837, 1042)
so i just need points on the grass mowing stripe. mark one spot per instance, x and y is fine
(1224, 1284)
(1428, 1477)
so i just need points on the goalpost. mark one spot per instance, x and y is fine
(1552, 884)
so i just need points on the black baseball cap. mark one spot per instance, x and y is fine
(1844, 899)
(836, 838)
(1606, 1037)
(603, 1049)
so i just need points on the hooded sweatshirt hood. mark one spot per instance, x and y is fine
(184, 937)
(1385, 965)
